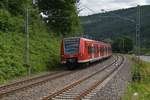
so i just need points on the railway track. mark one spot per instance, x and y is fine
(7, 89)
(82, 87)
(29, 83)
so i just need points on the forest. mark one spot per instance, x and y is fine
(114, 27)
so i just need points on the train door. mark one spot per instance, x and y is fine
(102, 51)
(99, 53)
(86, 50)
(89, 51)
(93, 51)
(106, 51)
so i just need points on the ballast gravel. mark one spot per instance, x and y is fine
(51, 86)
(114, 88)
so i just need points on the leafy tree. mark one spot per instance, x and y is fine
(128, 46)
(123, 44)
(15, 7)
(61, 15)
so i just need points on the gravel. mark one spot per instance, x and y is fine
(83, 86)
(37, 92)
(113, 88)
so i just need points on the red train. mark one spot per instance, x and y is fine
(75, 50)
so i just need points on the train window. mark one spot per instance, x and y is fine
(105, 49)
(94, 49)
(71, 45)
(89, 50)
(97, 50)
(109, 49)
(102, 49)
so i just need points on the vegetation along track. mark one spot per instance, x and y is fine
(10, 88)
(80, 88)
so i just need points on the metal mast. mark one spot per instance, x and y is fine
(27, 63)
(138, 26)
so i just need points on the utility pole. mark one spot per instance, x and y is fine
(27, 54)
(27, 63)
(137, 75)
(138, 26)
(123, 40)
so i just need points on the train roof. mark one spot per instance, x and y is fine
(86, 39)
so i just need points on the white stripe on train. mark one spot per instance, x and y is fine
(88, 60)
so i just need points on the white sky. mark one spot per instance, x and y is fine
(95, 6)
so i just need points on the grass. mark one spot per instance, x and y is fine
(141, 87)
(44, 54)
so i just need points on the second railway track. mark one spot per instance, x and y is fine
(80, 88)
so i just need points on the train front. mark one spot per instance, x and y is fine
(70, 50)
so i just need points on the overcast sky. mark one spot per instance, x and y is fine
(95, 6)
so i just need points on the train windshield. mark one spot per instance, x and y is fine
(71, 45)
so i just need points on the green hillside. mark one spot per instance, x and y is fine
(107, 26)
(44, 49)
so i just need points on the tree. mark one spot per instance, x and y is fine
(61, 15)
(15, 7)
(123, 44)
(128, 44)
